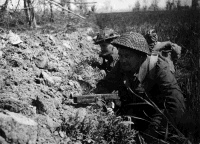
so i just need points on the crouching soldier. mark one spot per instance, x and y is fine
(168, 50)
(109, 53)
(138, 75)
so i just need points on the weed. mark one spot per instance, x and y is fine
(98, 127)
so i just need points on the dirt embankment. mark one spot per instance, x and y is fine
(38, 72)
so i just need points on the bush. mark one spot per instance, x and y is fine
(98, 127)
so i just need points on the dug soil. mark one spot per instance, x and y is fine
(38, 73)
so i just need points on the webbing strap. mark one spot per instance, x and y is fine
(152, 64)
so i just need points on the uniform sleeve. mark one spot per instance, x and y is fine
(162, 46)
(110, 82)
(170, 91)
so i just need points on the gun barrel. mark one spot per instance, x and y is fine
(93, 97)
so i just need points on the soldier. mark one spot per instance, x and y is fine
(168, 50)
(139, 75)
(109, 53)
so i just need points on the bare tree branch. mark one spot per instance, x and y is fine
(17, 6)
(66, 9)
(4, 6)
(82, 2)
(22, 8)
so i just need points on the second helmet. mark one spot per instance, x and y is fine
(105, 35)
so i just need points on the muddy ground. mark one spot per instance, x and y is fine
(38, 73)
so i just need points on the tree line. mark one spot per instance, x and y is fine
(170, 5)
(29, 9)
(82, 6)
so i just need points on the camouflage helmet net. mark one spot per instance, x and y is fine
(132, 40)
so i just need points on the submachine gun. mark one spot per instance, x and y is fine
(105, 101)
(93, 98)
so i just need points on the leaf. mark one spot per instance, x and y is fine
(166, 132)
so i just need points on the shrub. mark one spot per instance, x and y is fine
(98, 127)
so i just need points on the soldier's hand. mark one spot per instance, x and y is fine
(110, 111)
(110, 108)
(103, 73)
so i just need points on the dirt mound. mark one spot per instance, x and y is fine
(16, 128)
(40, 71)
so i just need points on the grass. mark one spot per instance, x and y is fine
(97, 127)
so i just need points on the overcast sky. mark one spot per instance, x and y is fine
(123, 5)
(114, 5)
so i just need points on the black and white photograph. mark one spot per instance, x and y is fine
(99, 71)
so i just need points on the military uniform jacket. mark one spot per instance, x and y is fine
(159, 84)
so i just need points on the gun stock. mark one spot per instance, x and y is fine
(93, 98)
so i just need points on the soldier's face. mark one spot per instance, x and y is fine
(129, 60)
(105, 46)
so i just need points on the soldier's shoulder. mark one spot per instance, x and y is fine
(162, 63)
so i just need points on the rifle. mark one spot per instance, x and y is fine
(92, 98)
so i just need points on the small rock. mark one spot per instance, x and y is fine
(24, 67)
(2, 44)
(79, 77)
(78, 142)
(56, 133)
(17, 106)
(61, 134)
(57, 79)
(89, 31)
(41, 61)
(89, 38)
(52, 67)
(71, 83)
(70, 62)
(18, 128)
(2, 140)
(52, 39)
(1, 54)
(48, 79)
(67, 140)
(14, 39)
(64, 53)
(81, 113)
(65, 107)
(67, 44)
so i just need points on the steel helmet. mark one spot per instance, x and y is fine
(105, 35)
(132, 40)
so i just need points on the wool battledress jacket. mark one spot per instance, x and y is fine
(159, 84)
